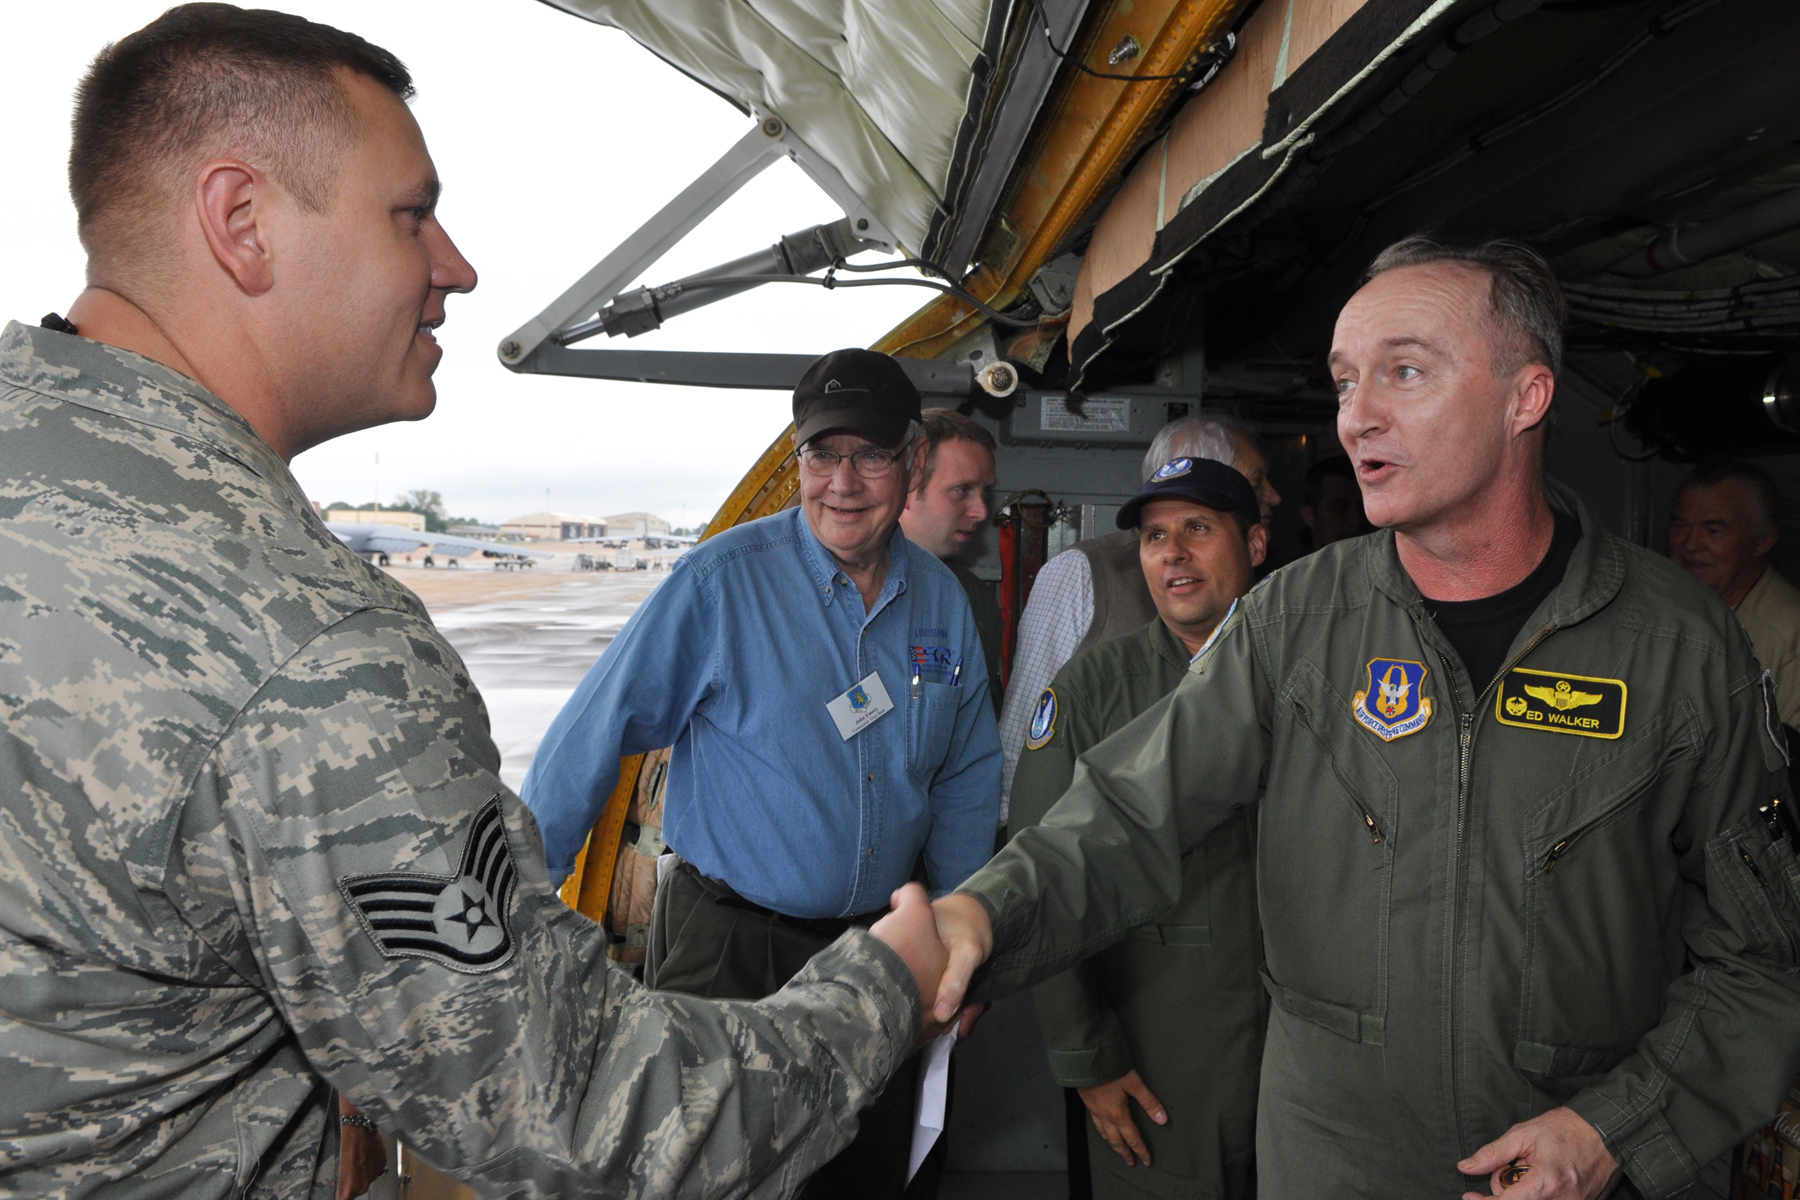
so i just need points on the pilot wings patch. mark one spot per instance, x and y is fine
(459, 921)
(1558, 703)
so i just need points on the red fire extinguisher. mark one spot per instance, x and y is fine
(1024, 520)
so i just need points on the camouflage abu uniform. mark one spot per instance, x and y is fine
(255, 848)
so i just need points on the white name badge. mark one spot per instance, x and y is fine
(860, 707)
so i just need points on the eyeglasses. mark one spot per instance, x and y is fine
(870, 464)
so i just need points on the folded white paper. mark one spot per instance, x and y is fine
(934, 1093)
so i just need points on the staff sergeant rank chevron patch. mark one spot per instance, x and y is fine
(459, 921)
(1558, 703)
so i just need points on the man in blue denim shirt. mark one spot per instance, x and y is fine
(823, 685)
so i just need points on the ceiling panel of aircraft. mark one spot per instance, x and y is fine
(879, 91)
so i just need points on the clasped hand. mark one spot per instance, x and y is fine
(1562, 1156)
(941, 946)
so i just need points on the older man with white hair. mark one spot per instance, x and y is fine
(822, 683)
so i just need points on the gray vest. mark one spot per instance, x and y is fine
(1121, 597)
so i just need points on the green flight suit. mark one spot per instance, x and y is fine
(1179, 1000)
(1473, 912)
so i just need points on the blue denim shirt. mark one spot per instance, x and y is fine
(733, 660)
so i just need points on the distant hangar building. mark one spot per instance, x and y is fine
(555, 527)
(636, 524)
(376, 516)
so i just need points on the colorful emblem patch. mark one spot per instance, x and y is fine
(1395, 703)
(1558, 703)
(859, 699)
(1043, 721)
(1175, 468)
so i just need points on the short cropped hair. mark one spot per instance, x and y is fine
(1213, 436)
(1524, 297)
(206, 79)
(947, 425)
(1755, 480)
(1335, 467)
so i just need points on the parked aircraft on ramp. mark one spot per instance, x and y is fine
(378, 542)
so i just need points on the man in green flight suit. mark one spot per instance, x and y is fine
(1175, 1011)
(1524, 926)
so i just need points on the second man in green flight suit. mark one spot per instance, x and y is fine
(1173, 1015)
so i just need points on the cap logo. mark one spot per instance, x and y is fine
(1175, 468)
(832, 385)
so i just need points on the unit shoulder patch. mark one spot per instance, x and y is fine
(460, 921)
(1394, 704)
(1772, 719)
(1043, 721)
(1554, 702)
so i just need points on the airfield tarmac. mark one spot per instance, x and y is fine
(527, 638)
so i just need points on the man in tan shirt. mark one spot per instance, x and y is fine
(1721, 531)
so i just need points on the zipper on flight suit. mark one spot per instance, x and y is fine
(1755, 871)
(1763, 885)
(1374, 829)
(1466, 721)
(1362, 809)
(1466, 747)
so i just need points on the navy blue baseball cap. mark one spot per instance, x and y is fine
(1199, 481)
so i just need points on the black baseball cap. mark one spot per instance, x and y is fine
(856, 391)
(1199, 481)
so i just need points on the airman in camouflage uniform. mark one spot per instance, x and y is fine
(255, 848)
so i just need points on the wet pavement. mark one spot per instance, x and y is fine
(527, 653)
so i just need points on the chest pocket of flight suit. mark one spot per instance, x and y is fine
(1597, 877)
(930, 722)
(1327, 828)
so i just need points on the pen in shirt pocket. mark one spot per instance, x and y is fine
(956, 675)
(915, 687)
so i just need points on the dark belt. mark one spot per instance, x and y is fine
(829, 928)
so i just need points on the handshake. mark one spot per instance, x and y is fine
(942, 944)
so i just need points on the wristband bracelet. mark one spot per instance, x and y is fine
(356, 1119)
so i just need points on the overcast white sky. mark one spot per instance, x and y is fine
(555, 139)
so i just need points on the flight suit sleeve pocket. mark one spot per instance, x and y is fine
(1763, 879)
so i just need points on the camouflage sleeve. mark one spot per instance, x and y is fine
(350, 850)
